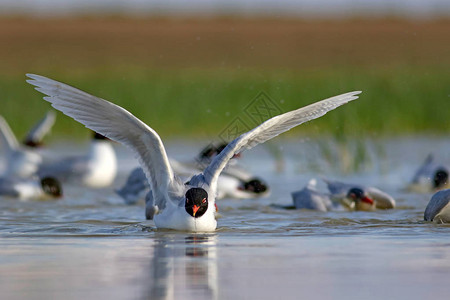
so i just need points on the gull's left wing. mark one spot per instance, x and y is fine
(270, 129)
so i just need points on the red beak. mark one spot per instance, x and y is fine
(195, 209)
(367, 200)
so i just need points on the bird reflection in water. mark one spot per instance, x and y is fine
(184, 267)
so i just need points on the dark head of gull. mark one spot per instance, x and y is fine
(256, 186)
(440, 178)
(32, 144)
(211, 150)
(98, 136)
(208, 152)
(357, 195)
(196, 202)
(51, 187)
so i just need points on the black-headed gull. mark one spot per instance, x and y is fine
(359, 197)
(177, 205)
(431, 176)
(438, 209)
(30, 188)
(20, 161)
(97, 168)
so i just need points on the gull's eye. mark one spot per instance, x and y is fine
(204, 200)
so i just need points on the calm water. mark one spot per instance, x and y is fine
(90, 245)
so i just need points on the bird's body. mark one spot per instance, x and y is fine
(380, 199)
(180, 206)
(96, 169)
(310, 198)
(430, 176)
(438, 209)
(28, 188)
(22, 160)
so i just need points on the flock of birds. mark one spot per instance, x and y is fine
(181, 195)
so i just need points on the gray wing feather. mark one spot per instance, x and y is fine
(270, 129)
(436, 204)
(115, 123)
(308, 199)
(7, 187)
(134, 187)
(64, 169)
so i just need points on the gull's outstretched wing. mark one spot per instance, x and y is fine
(270, 129)
(436, 204)
(37, 133)
(7, 137)
(115, 123)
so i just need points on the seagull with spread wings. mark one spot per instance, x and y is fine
(176, 205)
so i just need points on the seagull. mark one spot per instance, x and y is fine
(96, 169)
(431, 176)
(359, 197)
(311, 198)
(438, 209)
(30, 188)
(179, 206)
(21, 161)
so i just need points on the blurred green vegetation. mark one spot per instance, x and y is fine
(202, 102)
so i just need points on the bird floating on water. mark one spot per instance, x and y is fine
(358, 197)
(190, 206)
(96, 169)
(22, 160)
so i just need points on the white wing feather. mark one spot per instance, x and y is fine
(270, 129)
(7, 136)
(37, 133)
(113, 122)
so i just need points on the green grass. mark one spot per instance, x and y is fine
(397, 100)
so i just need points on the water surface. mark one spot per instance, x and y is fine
(91, 245)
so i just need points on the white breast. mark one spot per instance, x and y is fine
(444, 215)
(176, 217)
(29, 190)
(102, 165)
